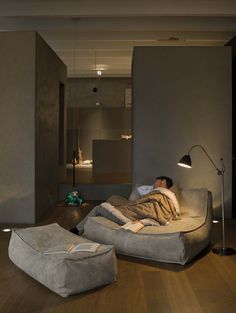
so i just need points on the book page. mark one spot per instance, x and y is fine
(86, 246)
(83, 247)
(133, 226)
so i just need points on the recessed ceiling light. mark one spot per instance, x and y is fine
(6, 230)
(215, 222)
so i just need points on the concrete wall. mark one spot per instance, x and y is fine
(50, 72)
(88, 122)
(112, 156)
(17, 112)
(182, 97)
(112, 91)
(28, 126)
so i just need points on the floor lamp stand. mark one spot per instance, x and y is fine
(223, 250)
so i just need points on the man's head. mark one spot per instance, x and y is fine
(163, 181)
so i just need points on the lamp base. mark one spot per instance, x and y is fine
(224, 251)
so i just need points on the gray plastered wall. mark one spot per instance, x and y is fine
(29, 77)
(181, 97)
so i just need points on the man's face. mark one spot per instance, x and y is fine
(160, 183)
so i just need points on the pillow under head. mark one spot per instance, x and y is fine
(173, 193)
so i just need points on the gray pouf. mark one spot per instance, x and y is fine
(63, 273)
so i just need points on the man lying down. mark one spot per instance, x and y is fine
(156, 206)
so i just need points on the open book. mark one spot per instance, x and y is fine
(81, 247)
(133, 226)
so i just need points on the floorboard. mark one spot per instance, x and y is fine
(207, 285)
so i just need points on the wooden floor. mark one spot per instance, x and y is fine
(207, 285)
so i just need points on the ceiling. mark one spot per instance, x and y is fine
(101, 34)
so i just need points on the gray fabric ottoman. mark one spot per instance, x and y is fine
(33, 250)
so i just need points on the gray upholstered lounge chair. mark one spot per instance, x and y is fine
(179, 242)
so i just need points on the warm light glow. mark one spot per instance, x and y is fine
(215, 222)
(99, 73)
(6, 230)
(184, 165)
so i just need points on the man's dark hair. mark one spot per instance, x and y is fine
(169, 181)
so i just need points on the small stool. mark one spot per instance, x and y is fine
(34, 250)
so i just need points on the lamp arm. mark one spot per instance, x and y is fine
(219, 172)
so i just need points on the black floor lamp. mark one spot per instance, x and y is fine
(185, 161)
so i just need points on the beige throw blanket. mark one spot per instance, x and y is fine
(155, 205)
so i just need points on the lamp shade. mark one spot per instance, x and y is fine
(185, 161)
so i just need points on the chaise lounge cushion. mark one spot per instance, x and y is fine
(179, 242)
(63, 273)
